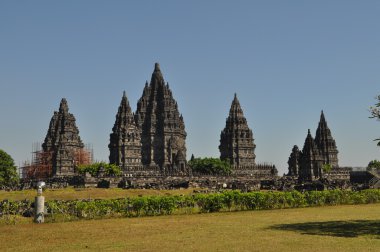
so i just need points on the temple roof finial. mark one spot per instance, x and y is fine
(157, 67)
(322, 117)
(63, 105)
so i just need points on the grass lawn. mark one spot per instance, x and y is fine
(71, 193)
(336, 228)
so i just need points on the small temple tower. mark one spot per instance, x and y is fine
(326, 143)
(125, 140)
(293, 162)
(162, 127)
(236, 139)
(311, 160)
(63, 142)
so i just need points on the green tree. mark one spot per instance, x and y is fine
(373, 165)
(212, 166)
(326, 168)
(375, 113)
(8, 172)
(93, 169)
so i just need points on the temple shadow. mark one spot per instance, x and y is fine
(353, 228)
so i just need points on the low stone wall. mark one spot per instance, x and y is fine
(54, 182)
(150, 180)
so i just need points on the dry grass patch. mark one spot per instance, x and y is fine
(274, 230)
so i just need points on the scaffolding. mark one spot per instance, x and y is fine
(41, 166)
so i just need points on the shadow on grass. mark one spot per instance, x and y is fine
(353, 228)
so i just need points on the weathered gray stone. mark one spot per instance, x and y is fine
(62, 141)
(236, 140)
(162, 127)
(125, 139)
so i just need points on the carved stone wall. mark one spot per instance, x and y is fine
(326, 143)
(236, 140)
(63, 141)
(125, 139)
(161, 125)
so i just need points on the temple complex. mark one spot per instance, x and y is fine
(125, 140)
(63, 142)
(150, 148)
(308, 163)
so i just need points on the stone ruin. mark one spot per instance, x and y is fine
(308, 164)
(62, 151)
(152, 140)
(149, 146)
(63, 142)
(238, 147)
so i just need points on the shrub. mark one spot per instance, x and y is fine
(93, 169)
(205, 203)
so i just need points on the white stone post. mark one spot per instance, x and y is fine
(39, 204)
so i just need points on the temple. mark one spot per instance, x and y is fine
(311, 160)
(326, 143)
(125, 139)
(293, 161)
(309, 163)
(63, 143)
(237, 145)
(154, 137)
(236, 140)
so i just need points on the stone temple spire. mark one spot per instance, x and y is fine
(293, 162)
(236, 139)
(326, 143)
(310, 160)
(162, 127)
(125, 145)
(62, 141)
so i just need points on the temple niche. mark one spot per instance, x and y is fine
(125, 140)
(63, 143)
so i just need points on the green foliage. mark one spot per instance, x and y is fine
(326, 168)
(212, 166)
(373, 165)
(58, 210)
(93, 169)
(8, 171)
(375, 113)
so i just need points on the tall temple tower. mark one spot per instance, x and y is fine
(162, 127)
(236, 139)
(310, 160)
(293, 161)
(63, 141)
(326, 143)
(125, 140)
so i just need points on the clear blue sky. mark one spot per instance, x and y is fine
(286, 60)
